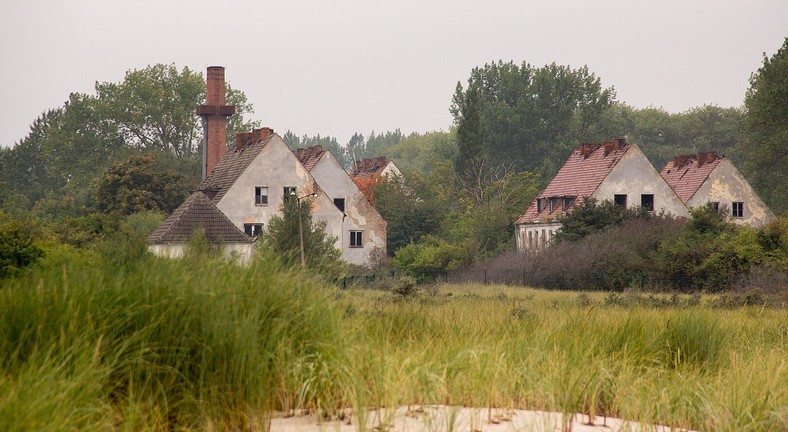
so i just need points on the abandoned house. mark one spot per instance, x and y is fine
(363, 227)
(614, 170)
(712, 178)
(248, 184)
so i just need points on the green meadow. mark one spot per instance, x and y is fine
(199, 344)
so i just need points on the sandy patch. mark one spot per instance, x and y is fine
(439, 418)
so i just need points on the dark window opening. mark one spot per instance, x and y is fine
(620, 200)
(647, 202)
(253, 229)
(289, 192)
(567, 203)
(715, 206)
(261, 195)
(356, 239)
(340, 203)
(738, 210)
(539, 205)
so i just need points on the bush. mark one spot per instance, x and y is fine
(621, 257)
(433, 257)
(17, 246)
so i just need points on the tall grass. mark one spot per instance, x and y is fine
(691, 367)
(206, 345)
(165, 343)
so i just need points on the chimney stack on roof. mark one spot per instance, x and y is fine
(214, 114)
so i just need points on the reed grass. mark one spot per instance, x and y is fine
(207, 345)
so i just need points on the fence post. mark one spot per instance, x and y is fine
(485, 276)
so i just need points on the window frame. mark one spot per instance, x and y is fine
(356, 242)
(260, 199)
(286, 192)
(251, 227)
(737, 209)
(643, 203)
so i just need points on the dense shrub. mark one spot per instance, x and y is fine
(434, 256)
(591, 217)
(621, 257)
(17, 246)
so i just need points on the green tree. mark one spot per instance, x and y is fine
(471, 153)
(137, 184)
(766, 152)
(153, 109)
(282, 235)
(408, 217)
(530, 117)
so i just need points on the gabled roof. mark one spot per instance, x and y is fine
(580, 176)
(198, 212)
(685, 174)
(369, 168)
(309, 157)
(247, 146)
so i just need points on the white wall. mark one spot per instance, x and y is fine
(726, 185)
(634, 176)
(360, 215)
(241, 252)
(533, 237)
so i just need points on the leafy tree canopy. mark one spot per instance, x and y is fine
(766, 152)
(137, 184)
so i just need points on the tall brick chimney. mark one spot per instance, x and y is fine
(214, 120)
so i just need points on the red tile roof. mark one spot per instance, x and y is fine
(580, 176)
(369, 168)
(685, 174)
(198, 212)
(309, 157)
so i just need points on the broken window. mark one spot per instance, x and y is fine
(260, 195)
(647, 202)
(715, 206)
(567, 203)
(289, 191)
(539, 205)
(253, 229)
(356, 239)
(620, 200)
(737, 210)
(340, 203)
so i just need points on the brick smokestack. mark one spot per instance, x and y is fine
(214, 119)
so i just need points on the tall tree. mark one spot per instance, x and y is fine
(529, 116)
(470, 131)
(766, 154)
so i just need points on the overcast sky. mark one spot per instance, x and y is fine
(337, 67)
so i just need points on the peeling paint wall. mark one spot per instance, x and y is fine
(534, 237)
(634, 176)
(275, 168)
(360, 215)
(240, 252)
(726, 185)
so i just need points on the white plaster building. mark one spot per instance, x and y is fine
(614, 171)
(712, 178)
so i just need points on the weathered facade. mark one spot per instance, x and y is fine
(615, 170)
(361, 231)
(710, 178)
